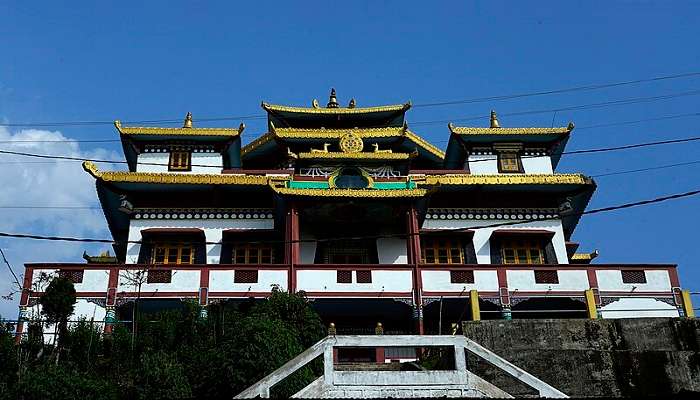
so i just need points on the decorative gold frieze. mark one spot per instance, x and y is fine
(179, 178)
(369, 193)
(186, 130)
(463, 130)
(338, 110)
(502, 179)
(353, 156)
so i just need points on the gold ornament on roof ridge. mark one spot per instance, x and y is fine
(332, 100)
(351, 143)
(494, 120)
(188, 120)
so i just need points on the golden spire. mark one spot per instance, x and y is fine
(332, 101)
(494, 120)
(188, 121)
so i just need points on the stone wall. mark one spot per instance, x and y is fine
(582, 358)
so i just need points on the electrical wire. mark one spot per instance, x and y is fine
(2, 253)
(418, 105)
(655, 200)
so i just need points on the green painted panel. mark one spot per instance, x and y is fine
(308, 185)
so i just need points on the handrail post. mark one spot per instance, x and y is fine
(328, 363)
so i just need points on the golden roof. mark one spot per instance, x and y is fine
(365, 155)
(184, 131)
(501, 179)
(367, 193)
(463, 130)
(179, 178)
(335, 110)
(582, 257)
(336, 134)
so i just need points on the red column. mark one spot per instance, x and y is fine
(292, 245)
(413, 255)
(110, 312)
(204, 286)
(24, 302)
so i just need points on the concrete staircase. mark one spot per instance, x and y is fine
(382, 382)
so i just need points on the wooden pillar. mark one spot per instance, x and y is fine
(687, 304)
(413, 255)
(110, 308)
(474, 304)
(591, 304)
(292, 245)
(203, 291)
(24, 303)
(504, 293)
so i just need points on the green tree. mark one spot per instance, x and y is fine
(8, 361)
(161, 376)
(57, 304)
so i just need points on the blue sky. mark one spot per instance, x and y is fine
(132, 61)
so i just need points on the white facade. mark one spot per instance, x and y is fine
(439, 281)
(657, 281)
(482, 235)
(323, 280)
(223, 281)
(202, 163)
(569, 280)
(213, 232)
(488, 164)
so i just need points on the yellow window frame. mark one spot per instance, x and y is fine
(172, 249)
(180, 161)
(452, 248)
(522, 251)
(252, 253)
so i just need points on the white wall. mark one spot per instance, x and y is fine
(318, 280)
(537, 165)
(307, 250)
(488, 164)
(392, 251)
(569, 280)
(611, 280)
(222, 281)
(482, 235)
(213, 231)
(639, 307)
(200, 163)
(439, 281)
(483, 164)
(182, 281)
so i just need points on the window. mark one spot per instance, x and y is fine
(461, 276)
(546, 277)
(364, 276)
(442, 251)
(635, 276)
(509, 162)
(180, 161)
(251, 253)
(245, 276)
(519, 251)
(75, 276)
(346, 252)
(159, 276)
(344, 276)
(173, 253)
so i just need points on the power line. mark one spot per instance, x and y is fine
(2, 253)
(631, 171)
(419, 105)
(604, 104)
(556, 91)
(51, 207)
(661, 199)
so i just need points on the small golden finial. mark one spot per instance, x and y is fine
(314, 104)
(494, 120)
(352, 103)
(570, 127)
(379, 330)
(332, 101)
(331, 329)
(188, 121)
(241, 128)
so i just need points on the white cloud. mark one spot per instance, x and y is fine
(28, 181)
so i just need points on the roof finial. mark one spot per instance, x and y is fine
(494, 120)
(352, 103)
(332, 101)
(188, 121)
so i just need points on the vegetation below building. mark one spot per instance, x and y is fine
(173, 354)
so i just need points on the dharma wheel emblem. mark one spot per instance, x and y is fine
(351, 143)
